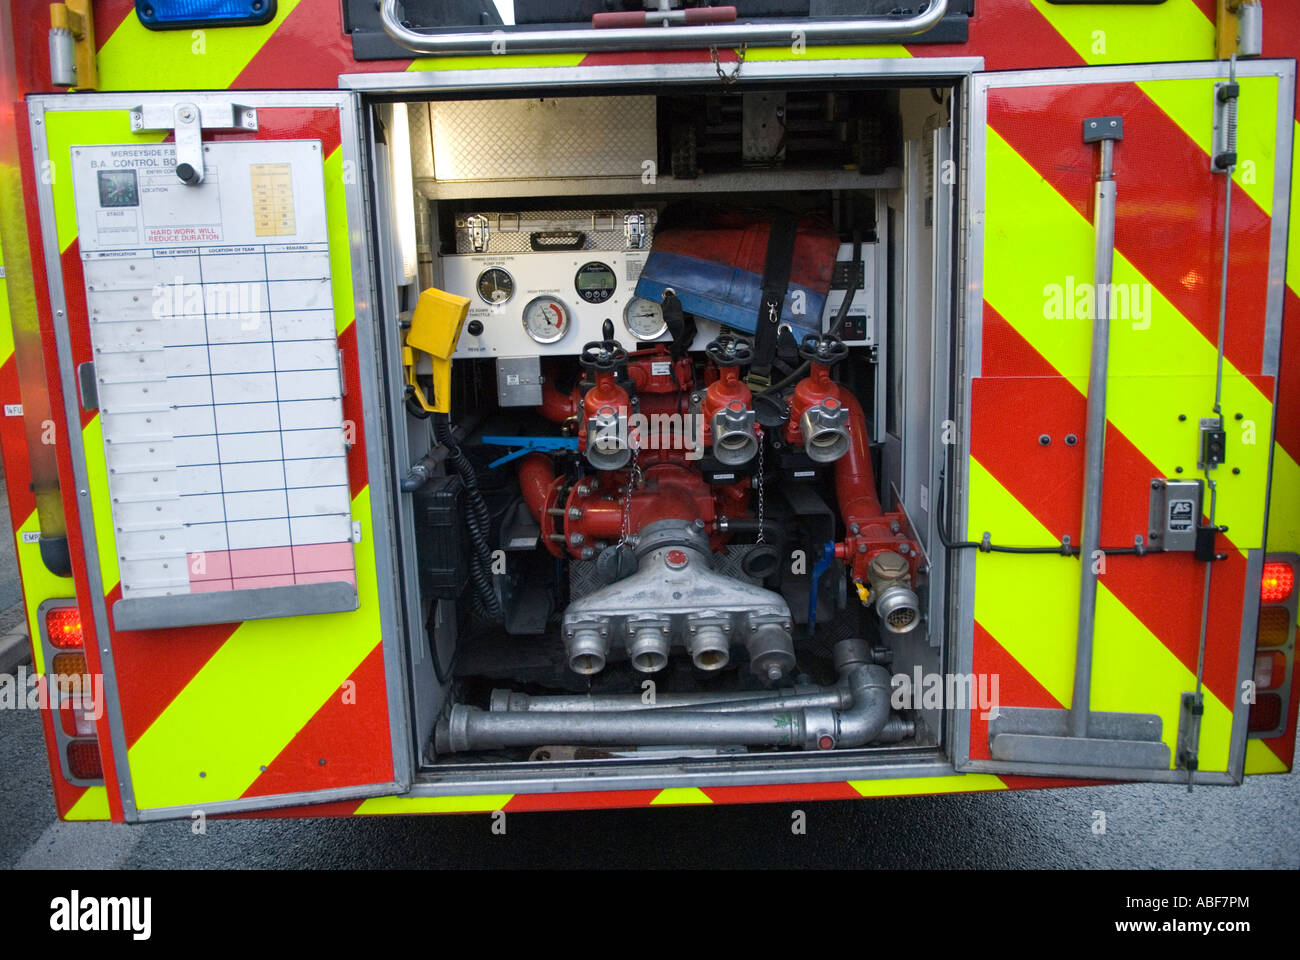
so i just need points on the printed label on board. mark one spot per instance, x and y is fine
(1182, 515)
(272, 185)
(31, 536)
(661, 368)
(13, 409)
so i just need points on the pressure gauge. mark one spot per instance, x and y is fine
(495, 285)
(644, 319)
(546, 319)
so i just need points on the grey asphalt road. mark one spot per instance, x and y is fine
(1256, 825)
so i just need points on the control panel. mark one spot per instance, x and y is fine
(550, 303)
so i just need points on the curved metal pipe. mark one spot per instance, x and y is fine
(812, 728)
(779, 33)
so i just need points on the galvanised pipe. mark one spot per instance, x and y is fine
(776, 33)
(821, 728)
(803, 695)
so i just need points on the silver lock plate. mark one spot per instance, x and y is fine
(1175, 514)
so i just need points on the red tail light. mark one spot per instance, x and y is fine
(83, 760)
(1278, 581)
(63, 626)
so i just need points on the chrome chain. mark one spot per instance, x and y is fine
(723, 75)
(633, 478)
(760, 488)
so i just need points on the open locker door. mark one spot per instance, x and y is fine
(1151, 680)
(209, 282)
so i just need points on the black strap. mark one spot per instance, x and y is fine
(776, 280)
(681, 326)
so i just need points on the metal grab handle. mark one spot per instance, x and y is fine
(1105, 130)
(679, 37)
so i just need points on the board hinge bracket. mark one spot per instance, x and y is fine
(187, 120)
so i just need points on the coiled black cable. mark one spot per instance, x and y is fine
(486, 603)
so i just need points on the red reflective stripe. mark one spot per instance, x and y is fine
(342, 734)
(1009, 36)
(1281, 37)
(1286, 411)
(784, 792)
(1016, 687)
(109, 15)
(586, 800)
(154, 666)
(13, 441)
(353, 411)
(1169, 217)
(629, 57)
(1008, 416)
(308, 50)
(289, 123)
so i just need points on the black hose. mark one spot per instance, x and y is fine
(836, 325)
(486, 603)
(751, 525)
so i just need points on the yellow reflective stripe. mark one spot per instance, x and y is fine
(1176, 30)
(92, 439)
(1189, 104)
(883, 51)
(1261, 759)
(38, 583)
(135, 58)
(6, 323)
(91, 805)
(489, 803)
(1171, 31)
(259, 689)
(503, 61)
(965, 783)
(1149, 385)
(680, 795)
(340, 239)
(65, 129)
(1133, 672)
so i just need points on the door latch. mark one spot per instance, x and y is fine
(187, 120)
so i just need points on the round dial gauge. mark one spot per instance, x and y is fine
(495, 285)
(595, 282)
(644, 319)
(546, 319)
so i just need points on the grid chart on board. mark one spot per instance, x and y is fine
(219, 389)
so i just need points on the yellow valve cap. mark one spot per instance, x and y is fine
(435, 328)
(436, 323)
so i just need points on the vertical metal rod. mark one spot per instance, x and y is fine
(1094, 440)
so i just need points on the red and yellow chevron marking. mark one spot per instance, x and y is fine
(1008, 34)
(18, 295)
(1038, 233)
(262, 707)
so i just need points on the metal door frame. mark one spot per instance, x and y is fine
(968, 365)
(377, 454)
